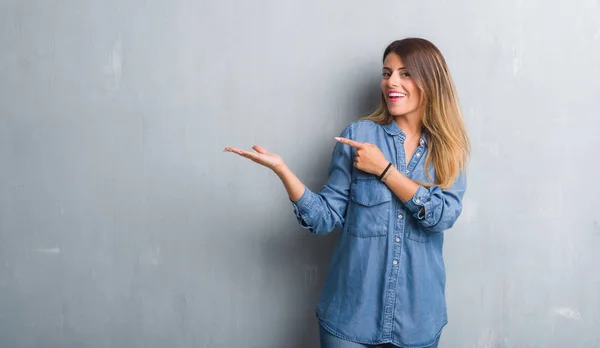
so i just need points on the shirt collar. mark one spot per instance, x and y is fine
(393, 129)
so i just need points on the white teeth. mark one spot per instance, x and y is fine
(393, 95)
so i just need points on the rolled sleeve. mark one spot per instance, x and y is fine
(303, 208)
(321, 212)
(438, 209)
(416, 204)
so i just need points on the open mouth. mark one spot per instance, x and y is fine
(395, 96)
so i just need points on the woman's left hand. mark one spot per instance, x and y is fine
(368, 156)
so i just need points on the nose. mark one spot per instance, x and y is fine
(394, 80)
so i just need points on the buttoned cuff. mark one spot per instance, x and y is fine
(302, 207)
(420, 204)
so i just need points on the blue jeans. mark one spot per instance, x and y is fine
(330, 341)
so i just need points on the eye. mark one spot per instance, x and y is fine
(385, 74)
(405, 74)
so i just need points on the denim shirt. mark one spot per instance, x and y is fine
(386, 278)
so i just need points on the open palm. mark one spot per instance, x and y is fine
(261, 156)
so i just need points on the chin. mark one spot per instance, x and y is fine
(401, 111)
(396, 111)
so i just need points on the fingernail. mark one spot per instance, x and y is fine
(337, 138)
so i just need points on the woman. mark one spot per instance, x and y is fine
(396, 183)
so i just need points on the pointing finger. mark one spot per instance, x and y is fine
(352, 143)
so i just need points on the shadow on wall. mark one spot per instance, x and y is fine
(367, 96)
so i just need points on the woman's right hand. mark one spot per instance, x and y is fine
(261, 156)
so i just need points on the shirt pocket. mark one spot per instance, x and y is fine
(369, 208)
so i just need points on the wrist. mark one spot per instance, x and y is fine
(385, 171)
(280, 169)
(382, 167)
(388, 172)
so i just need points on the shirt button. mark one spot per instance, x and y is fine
(398, 240)
(417, 201)
(399, 217)
(395, 262)
(418, 154)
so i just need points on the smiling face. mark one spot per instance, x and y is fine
(401, 93)
(417, 89)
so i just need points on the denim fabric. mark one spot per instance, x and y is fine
(386, 278)
(329, 340)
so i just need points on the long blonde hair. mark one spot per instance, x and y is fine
(442, 120)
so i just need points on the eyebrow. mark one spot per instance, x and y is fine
(400, 68)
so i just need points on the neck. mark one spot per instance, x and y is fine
(411, 126)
